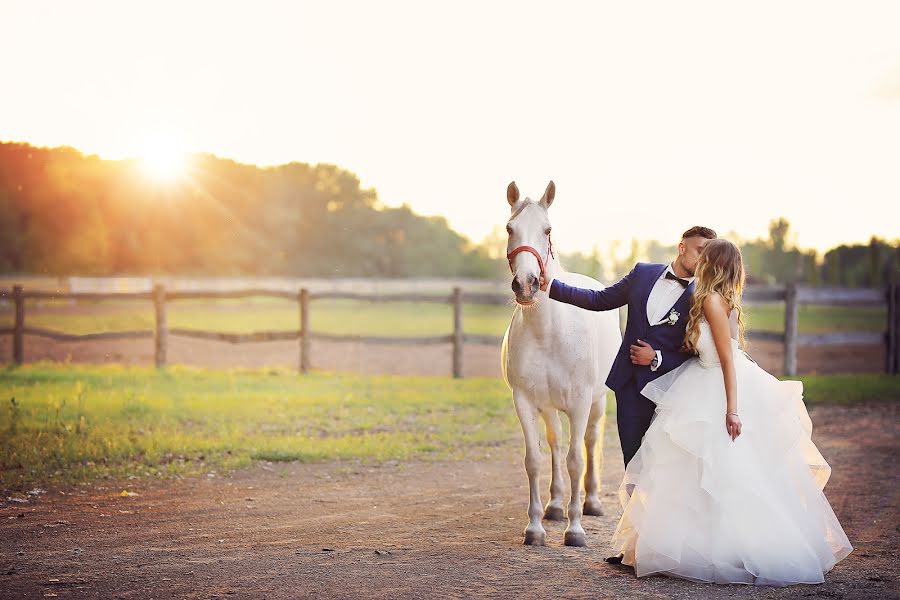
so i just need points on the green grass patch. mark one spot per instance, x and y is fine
(818, 319)
(401, 319)
(847, 389)
(61, 424)
(70, 423)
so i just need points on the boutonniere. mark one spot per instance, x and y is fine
(673, 317)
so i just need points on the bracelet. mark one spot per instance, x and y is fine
(731, 413)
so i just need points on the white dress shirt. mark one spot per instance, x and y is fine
(663, 296)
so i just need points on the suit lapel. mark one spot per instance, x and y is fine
(657, 273)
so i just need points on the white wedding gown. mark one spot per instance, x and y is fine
(707, 509)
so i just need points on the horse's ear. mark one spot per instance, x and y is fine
(549, 194)
(512, 193)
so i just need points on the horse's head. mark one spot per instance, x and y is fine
(529, 248)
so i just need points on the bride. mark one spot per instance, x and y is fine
(727, 484)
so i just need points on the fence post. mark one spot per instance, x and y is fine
(19, 328)
(892, 360)
(896, 367)
(457, 333)
(303, 298)
(790, 329)
(162, 331)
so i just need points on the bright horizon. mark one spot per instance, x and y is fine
(649, 121)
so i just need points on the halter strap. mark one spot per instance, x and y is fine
(536, 254)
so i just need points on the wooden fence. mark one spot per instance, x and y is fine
(791, 295)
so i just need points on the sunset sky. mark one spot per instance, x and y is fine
(649, 117)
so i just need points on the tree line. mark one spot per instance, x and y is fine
(771, 260)
(63, 213)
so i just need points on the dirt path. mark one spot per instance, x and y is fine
(407, 530)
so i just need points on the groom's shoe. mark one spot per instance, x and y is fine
(615, 560)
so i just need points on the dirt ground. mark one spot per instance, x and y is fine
(479, 360)
(402, 530)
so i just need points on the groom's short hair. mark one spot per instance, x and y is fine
(698, 231)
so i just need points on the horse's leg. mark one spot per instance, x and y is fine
(593, 445)
(554, 510)
(528, 416)
(578, 418)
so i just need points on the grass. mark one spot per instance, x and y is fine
(60, 424)
(848, 389)
(68, 424)
(401, 319)
(818, 319)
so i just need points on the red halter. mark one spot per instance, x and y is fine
(536, 254)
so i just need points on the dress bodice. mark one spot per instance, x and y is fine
(706, 346)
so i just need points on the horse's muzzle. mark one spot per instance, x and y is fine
(525, 292)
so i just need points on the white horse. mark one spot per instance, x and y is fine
(555, 357)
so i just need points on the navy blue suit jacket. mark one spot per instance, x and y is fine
(634, 290)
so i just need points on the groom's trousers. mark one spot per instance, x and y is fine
(633, 415)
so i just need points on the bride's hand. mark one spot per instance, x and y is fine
(733, 426)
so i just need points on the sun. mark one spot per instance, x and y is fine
(163, 160)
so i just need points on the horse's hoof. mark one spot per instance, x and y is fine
(574, 538)
(593, 509)
(535, 538)
(555, 513)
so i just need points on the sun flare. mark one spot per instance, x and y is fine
(163, 160)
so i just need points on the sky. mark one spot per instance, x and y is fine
(650, 117)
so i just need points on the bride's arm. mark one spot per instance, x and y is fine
(715, 309)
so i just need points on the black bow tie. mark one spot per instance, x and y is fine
(670, 275)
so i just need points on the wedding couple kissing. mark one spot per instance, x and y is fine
(722, 481)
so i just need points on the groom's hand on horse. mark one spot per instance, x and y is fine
(544, 283)
(642, 353)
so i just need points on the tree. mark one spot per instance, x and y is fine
(62, 212)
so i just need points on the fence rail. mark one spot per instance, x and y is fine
(792, 296)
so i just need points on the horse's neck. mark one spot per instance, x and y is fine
(553, 268)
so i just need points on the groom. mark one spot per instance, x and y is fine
(658, 299)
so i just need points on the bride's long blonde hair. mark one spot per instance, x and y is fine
(719, 269)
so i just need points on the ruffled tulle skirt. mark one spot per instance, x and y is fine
(701, 507)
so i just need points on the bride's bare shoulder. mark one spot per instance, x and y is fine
(715, 305)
